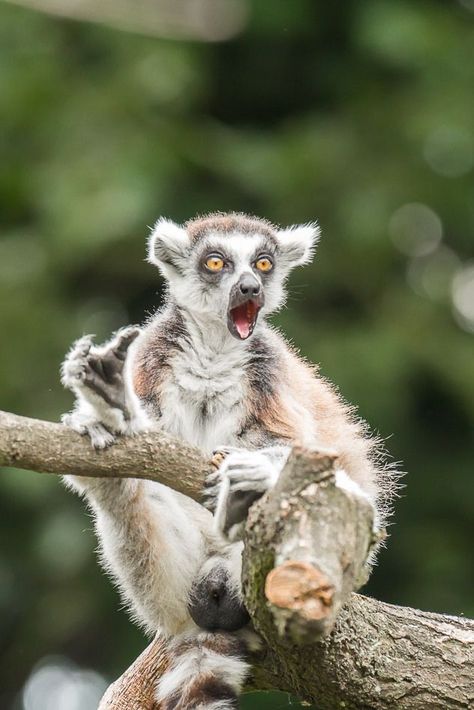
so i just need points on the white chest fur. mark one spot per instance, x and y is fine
(203, 397)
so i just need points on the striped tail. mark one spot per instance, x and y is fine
(205, 672)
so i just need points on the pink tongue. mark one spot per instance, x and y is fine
(241, 322)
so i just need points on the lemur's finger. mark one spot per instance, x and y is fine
(237, 507)
(94, 379)
(109, 394)
(124, 340)
(106, 367)
(101, 437)
(95, 363)
(209, 501)
(243, 464)
(210, 492)
(247, 473)
(74, 366)
(258, 486)
(82, 346)
(211, 479)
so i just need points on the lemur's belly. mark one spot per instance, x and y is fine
(205, 413)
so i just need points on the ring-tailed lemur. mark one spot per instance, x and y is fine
(208, 369)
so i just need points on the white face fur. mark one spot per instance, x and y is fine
(212, 294)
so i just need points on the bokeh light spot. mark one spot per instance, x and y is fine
(463, 297)
(468, 4)
(432, 275)
(22, 258)
(449, 151)
(61, 545)
(415, 229)
(57, 683)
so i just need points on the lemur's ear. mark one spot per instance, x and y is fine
(168, 246)
(297, 243)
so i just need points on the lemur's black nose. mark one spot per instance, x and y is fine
(249, 286)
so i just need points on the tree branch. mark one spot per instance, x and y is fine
(47, 447)
(304, 555)
(316, 537)
(305, 545)
(136, 687)
(381, 657)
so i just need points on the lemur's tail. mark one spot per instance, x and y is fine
(205, 672)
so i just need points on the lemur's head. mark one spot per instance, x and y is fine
(229, 267)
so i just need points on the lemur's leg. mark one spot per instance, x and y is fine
(206, 671)
(154, 545)
(243, 477)
(151, 541)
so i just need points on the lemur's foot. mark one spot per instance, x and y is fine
(243, 477)
(96, 374)
(99, 435)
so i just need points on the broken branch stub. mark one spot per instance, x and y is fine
(316, 537)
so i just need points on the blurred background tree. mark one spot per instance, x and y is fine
(357, 113)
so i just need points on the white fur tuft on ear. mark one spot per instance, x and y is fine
(297, 243)
(168, 244)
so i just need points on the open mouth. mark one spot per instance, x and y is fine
(242, 318)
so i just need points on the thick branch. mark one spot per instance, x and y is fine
(136, 687)
(316, 538)
(305, 549)
(377, 656)
(53, 448)
(381, 657)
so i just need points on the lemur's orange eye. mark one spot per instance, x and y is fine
(264, 264)
(214, 263)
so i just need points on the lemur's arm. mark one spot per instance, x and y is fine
(152, 543)
(244, 476)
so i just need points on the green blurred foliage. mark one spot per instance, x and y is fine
(343, 111)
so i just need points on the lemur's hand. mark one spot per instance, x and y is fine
(242, 478)
(95, 374)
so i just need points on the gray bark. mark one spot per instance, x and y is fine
(306, 542)
(316, 538)
(47, 447)
(380, 657)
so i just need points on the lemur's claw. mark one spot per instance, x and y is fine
(238, 506)
(100, 436)
(210, 490)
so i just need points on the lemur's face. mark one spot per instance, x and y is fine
(232, 275)
(238, 274)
